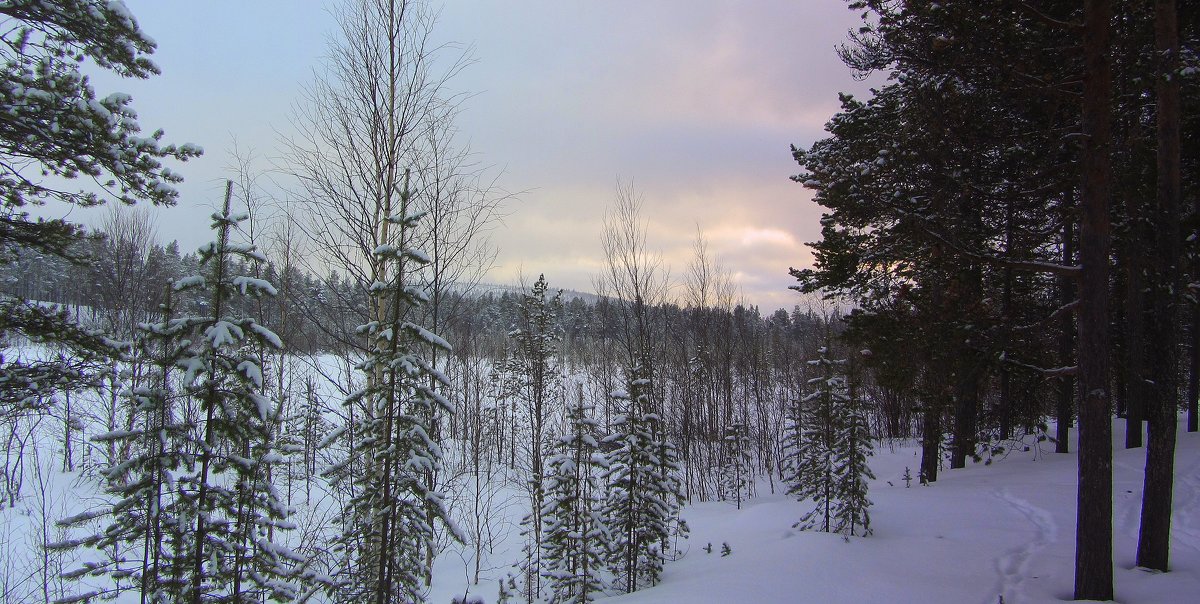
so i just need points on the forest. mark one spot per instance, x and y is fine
(331, 398)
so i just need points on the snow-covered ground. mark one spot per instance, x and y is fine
(979, 533)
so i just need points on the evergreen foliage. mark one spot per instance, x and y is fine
(827, 462)
(810, 471)
(55, 130)
(532, 372)
(644, 492)
(853, 447)
(735, 473)
(391, 518)
(573, 547)
(196, 510)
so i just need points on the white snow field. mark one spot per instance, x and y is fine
(979, 533)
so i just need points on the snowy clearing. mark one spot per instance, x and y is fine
(986, 531)
(1006, 529)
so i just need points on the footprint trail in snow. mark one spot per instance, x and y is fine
(1013, 566)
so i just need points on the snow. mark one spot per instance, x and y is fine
(1006, 529)
(188, 282)
(224, 333)
(979, 533)
(271, 337)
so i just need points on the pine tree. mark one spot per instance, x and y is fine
(144, 536)
(812, 475)
(532, 371)
(55, 126)
(389, 522)
(735, 472)
(573, 550)
(644, 491)
(196, 513)
(793, 444)
(853, 447)
(830, 442)
(236, 509)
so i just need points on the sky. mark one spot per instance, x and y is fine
(693, 102)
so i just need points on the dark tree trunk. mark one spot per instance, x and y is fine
(931, 442)
(1093, 530)
(1154, 538)
(966, 410)
(969, 377)
(1006, 304)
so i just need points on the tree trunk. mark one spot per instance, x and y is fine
(1154, 538)
(1006, 304)
(1093, 531)
(966, 407)
(931, 442)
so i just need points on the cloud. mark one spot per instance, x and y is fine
(696, 103)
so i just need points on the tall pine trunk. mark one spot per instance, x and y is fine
(1093, 531)
(931, 441)
(1154, 538)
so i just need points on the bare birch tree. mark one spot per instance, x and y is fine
(375, 150)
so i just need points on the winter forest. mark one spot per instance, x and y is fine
(984, 391)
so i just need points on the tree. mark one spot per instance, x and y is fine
(644, 491)
(1093, 530)
(853, 447)
(146, 518)
(204, 489)
(382, 112)
(735, 473)
(830, 442)
(812, 473)
(56, 130)
(532, 371)
(236, 508)
(389, 522)
(573, 551)
(1154, 536)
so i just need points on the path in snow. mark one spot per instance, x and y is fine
(1127, 505)
(1187, 504)
(1186, 496)
(1013, 566)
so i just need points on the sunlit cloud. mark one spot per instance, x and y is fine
(774, 237)
(695, 105)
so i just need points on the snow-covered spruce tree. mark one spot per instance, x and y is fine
(532, 373)
(573, 547)
(852, 449)
(644, 491)
(812, 474)
(195, 511)
(55, 126)
(828, 464)
(389, 519)
(143, 540)
(234, 506)
(735, 471)
(792, 444)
